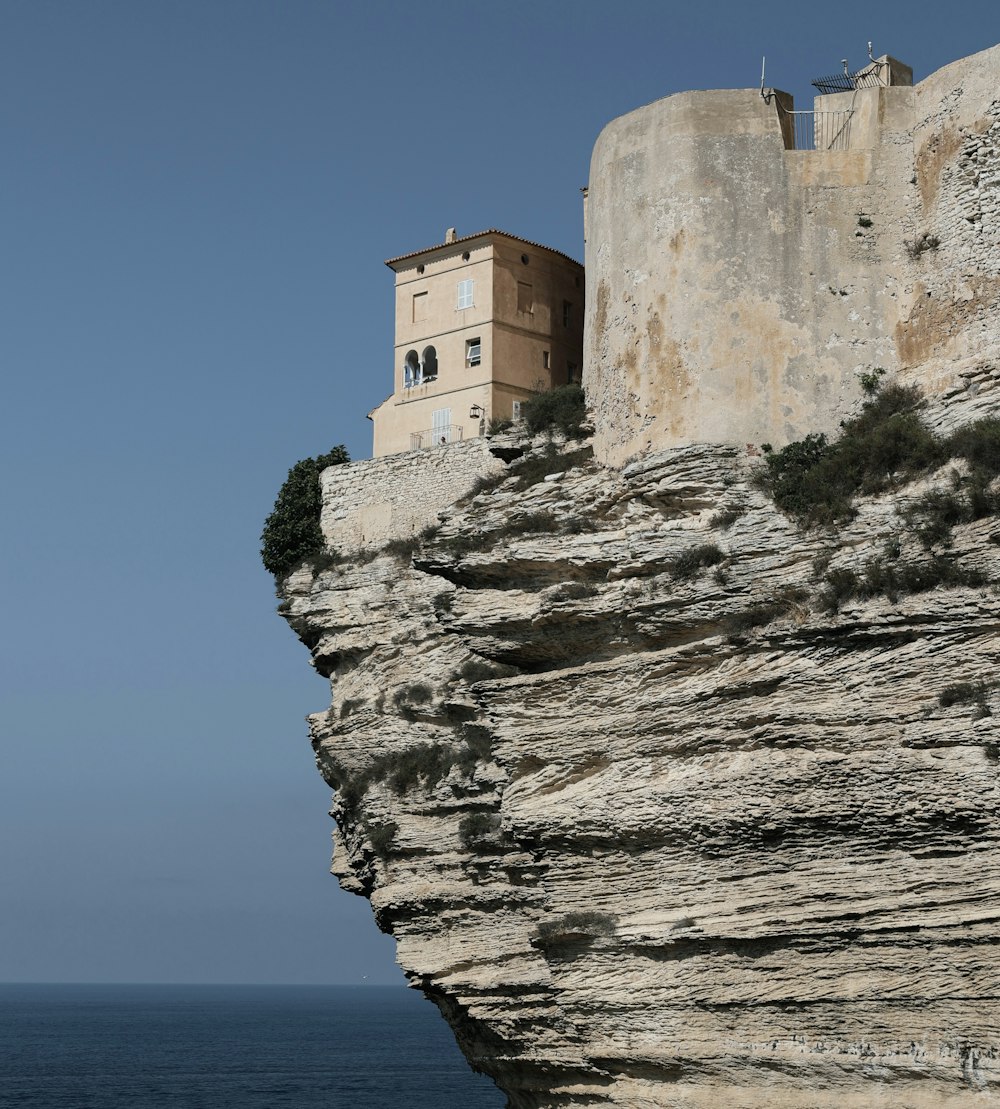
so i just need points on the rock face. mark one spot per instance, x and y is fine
(651, 822)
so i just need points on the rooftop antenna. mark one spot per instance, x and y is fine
(764, 95)
(870, 58)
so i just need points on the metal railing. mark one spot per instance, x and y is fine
(435, 437)
(820, 130)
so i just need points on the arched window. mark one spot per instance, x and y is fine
(411, 369)
(429, 364)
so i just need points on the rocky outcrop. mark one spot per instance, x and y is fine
(651, 820)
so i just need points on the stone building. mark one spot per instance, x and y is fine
(747, 262)
(482, 323)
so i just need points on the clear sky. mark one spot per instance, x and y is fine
(196, 198)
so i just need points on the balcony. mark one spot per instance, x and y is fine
(435, 437)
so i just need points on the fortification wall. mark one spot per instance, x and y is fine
(736, 289)
(369, 502)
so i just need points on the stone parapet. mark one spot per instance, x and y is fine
(372, 501)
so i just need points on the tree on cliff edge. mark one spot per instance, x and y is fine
(292, 532)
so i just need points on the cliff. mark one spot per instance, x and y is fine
(668, 798)
(654, 818)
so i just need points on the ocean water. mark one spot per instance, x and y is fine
(231, 1047)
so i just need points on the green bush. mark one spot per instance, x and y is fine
(687, 564)
(425, 764)
(815, 480)
(291, 532)
(979, 444)
(575, 926)
(932, 516)
(381, 837)
(480, 832)
(498, 426)
(535, 467)
(561, 409)
(763, 612)
(726, 517)
(890, 577)
(408, 697)
(966, 693)
(481, 670)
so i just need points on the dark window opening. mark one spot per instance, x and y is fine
(411, 370)
(429, 363)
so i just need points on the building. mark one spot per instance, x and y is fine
(482, 323)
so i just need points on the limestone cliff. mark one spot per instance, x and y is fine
(650, 822)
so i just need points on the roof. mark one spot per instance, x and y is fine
(391, 262)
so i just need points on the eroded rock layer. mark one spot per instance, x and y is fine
(653, 822)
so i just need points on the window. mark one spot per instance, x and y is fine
(441, 426)
(429, 364)
(411, 370)
(465, 293)
(515, 410)
(546, 361)
(573, 373)
(525, 298)
(419, 307)
(473, 352)
(567, 313)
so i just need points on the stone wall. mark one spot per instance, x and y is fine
(737, 288)
(366, 503)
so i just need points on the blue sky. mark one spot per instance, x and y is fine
(195, 204)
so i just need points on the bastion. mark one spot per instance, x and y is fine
(737, 285)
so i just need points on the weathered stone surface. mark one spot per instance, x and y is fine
(736, 288)
(710, 867)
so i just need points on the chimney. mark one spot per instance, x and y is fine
(449, 235)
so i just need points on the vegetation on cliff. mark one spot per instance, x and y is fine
(888, 444)
(561, 409)
(291, 532)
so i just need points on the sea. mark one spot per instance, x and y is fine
(231, 1047)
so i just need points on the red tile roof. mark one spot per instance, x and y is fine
(391, 262)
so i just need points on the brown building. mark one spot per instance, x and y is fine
(482, 323)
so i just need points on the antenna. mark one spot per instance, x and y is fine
(870, 58)
(764, 96)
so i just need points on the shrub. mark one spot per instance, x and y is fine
(407, 697)
(979, 444)
(815, 480)
(842, 585)
(498, 426)
(381, 837)
(561, 409)
(350, 705)
(481, 670)
(535, 467)
(726, 517)
(525, 524)
(480, 832)
(871, 381)
(763, 612)
(932, 516)
(966, 693)
(688, 564)
(291, 532)
(921, 244)
(424, 764)
(574, 926)
(402, 549)
(890, 577)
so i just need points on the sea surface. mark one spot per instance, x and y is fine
(231, 1047)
